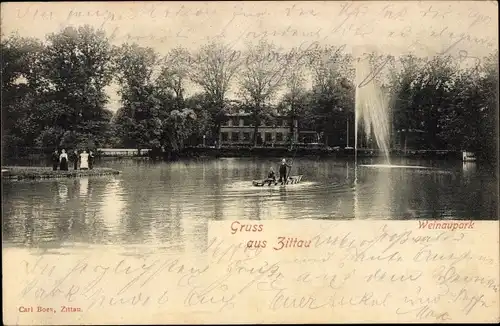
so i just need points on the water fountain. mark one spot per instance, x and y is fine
(371, 110)
(372, 121)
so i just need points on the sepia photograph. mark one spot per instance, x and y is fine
(136, 129)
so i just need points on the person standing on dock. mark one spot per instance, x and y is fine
(63, 161)
(91, 160)
(283, 168)
(84, 161)
(74, 158)
(55, 160)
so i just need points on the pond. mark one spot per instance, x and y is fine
(170, 204)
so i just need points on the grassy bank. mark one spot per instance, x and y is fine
(24, 172)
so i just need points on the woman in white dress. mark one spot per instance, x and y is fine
(84, 160)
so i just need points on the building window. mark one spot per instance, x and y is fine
(246, 136)
(235, 136)
(236, 121)
(224, 136)
(308, 138)
(279, 136)
(268, 136)
(284, 123)
(247, 121)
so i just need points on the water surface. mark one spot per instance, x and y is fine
(170, 204)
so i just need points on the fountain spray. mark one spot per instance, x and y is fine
(371, 109)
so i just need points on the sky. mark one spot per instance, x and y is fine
(421, 27)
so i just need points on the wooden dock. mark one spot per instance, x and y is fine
(33, 173)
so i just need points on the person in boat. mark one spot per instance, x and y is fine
(55, 160)
(283, 171)
(271, 177)
(63, 161)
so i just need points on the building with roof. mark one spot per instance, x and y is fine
(239, 128)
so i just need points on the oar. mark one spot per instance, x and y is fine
(291, 165)
(289, 171)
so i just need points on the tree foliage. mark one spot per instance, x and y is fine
(138, 117)
(332, 94)
(175, 73)
(153, 114)
(214, 67)
(53, 93)
(262, 76)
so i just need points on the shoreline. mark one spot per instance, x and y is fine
(321, 152)
(241, 152)
(36, 172)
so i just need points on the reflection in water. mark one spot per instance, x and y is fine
(63, 192)
(356, 191)
(194, 233)
(469, 169)
(84, 186)
(170, 205)
(282, 193)
(112, 206)
(380, 196)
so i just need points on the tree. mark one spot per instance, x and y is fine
(154, 112)
(332, 96)
(139, 118)
(468, 121)
(488, 90)
(432, 94)
(214, 66)
(294, 102)
(53, 93)
(329, 65)
(19, 62)
(452, 106)
(204, 124)
(174, 74)
(402, 81)
(76, 67)
(179, 126)
(262, 76)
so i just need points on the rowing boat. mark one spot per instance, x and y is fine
(291, 180)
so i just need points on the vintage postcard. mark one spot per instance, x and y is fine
(249, 162)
